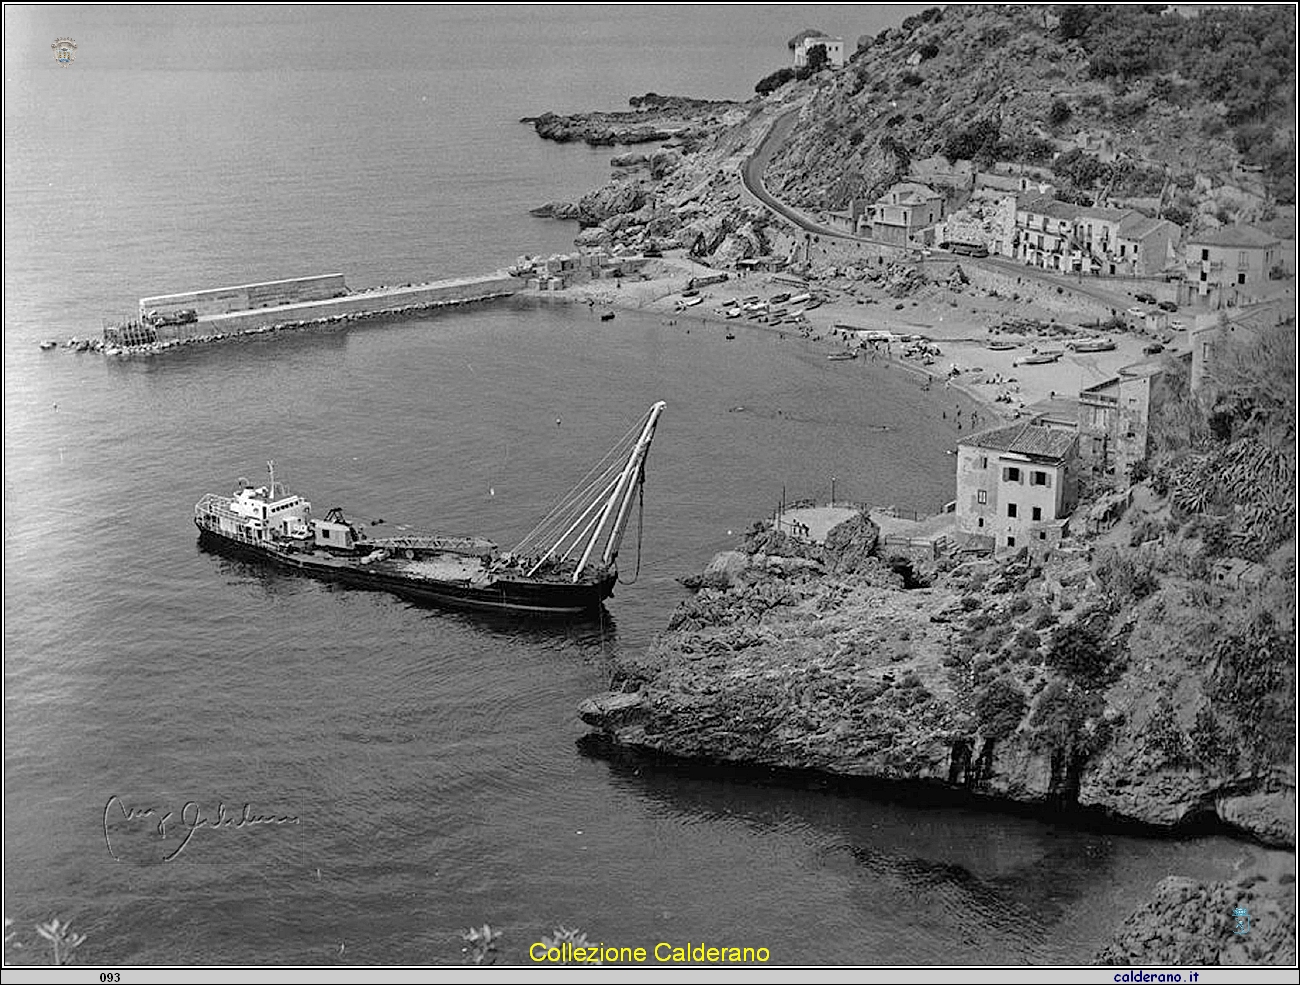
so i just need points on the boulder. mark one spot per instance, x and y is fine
(628, 160)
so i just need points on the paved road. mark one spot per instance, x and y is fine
(752, 177)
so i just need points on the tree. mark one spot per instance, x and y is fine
(1059, 113)
(770, 83)
(999, 708)
(817, 58)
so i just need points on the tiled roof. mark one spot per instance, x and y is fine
(1097, 212)
(1042, 205)
(1024, 439)
(1242, 236)
(1136, 226)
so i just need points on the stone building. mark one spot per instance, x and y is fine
(1114, 421)
(1017, 485)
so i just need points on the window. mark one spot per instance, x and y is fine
(1203, 277)
(980, 522)
(1011, 509)
(1205, 254)
(1011, 542)
(1011, 474)
(1042, 535)
(1241, 278)
(325, 534)
(984, 461)
(1037, 513)
(982, 496)
(1241, 260)
(1037, 478)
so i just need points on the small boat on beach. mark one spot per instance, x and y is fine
(607, 316)
(1001, 345)
(1037, 359)
(49, 344)
(1092, 345)
(836, 357)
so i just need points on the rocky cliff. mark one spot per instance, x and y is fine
(994, 84)
(1014, 679)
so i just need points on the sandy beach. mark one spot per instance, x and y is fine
(956, 321)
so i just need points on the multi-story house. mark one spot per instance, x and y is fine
(1146, 246)
(1114, 421)
(1017, 485)
(905, 210)
(1230, 265)
(1089, 239)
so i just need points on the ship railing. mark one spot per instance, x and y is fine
(453, 545)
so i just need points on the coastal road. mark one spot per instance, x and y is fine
(751, 176)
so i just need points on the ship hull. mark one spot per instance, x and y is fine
(505, 595)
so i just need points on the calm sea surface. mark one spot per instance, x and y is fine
(429, 758)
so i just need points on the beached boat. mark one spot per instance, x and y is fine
(49, 344)
(1092, 345)
(1037, 358)
(1000, 345)
(607, 316)
(567, 564)
(842, 356)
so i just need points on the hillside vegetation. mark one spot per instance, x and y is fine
(1181, 102)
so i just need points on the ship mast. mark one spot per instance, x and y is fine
(589, 521)
(622, 495)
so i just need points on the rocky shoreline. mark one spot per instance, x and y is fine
(797, 657)
(652, 118)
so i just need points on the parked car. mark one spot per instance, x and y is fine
(1152, 349)
(1137, 312)
(1176, 325)
(1145, 298)
(1166, 306)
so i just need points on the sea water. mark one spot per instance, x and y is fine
(210, 762)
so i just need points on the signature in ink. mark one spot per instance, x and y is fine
(185, 823)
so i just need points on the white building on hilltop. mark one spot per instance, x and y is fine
(805, 41)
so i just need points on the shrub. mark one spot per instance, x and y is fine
(1126, 574)
(1059, 113)
(1081, 652)
(999, 708)
(1163, 733)
(770, 83)
(1027, 639)
(1209, 745)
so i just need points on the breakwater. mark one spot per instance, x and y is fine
(221, 313)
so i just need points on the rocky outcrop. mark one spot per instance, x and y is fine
(1190, 923)
(795, 655)
(656, 118)
(557, 210)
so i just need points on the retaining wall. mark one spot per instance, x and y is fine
(365, 303)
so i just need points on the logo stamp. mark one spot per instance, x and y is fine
(63, 50)
(1242, 925)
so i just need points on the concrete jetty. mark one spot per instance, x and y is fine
(219, 313)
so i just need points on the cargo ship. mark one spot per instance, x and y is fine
(567, 565)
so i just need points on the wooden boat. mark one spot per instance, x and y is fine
(1037, 359)
(1092, 345)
